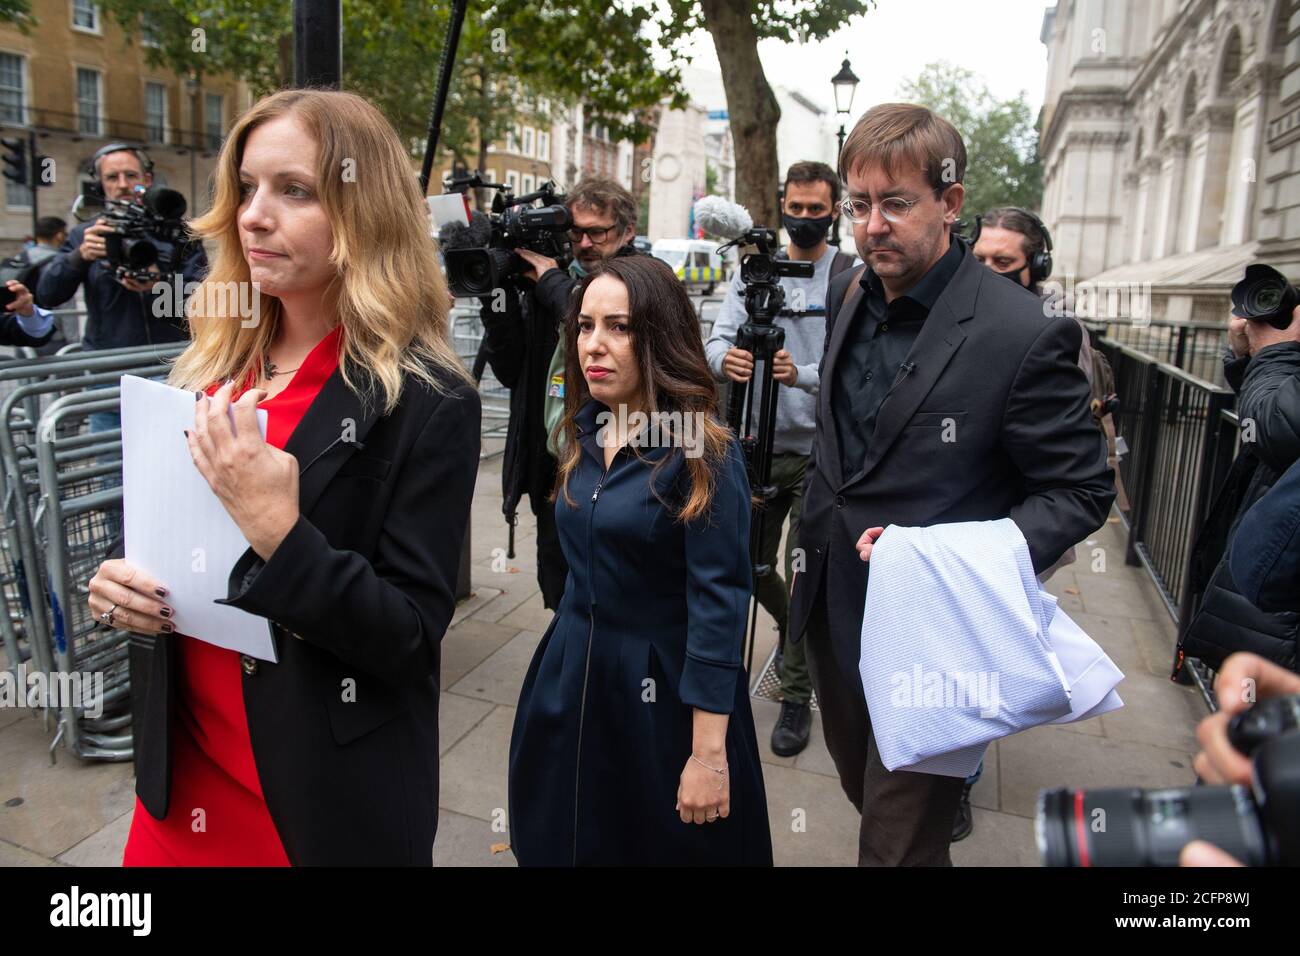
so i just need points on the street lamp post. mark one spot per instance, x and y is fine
(845, 84)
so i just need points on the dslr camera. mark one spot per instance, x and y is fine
(1258, 825)
(480, 258)
(1265, 295)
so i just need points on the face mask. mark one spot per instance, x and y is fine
(806, 233)
(1013, 275)
(576, 268)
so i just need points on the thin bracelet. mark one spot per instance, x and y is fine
(706, 766)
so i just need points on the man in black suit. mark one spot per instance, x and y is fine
(947, 395)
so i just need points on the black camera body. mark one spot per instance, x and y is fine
(1259, 825)
(761, 273)
(515, 224)
(148, 234)
(1265, 295)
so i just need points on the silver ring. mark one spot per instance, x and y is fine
(107, 616)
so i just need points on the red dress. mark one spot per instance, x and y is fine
(217, 815)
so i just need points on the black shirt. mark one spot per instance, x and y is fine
(875, 348)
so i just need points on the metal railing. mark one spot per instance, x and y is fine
(1194, 347)
(1181, 434)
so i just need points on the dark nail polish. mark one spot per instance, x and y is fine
(161, 592)
(197, 396)
(187, 432)
(165, 611)
(167, 628)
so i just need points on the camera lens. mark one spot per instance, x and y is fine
(1132, 827)
(139, 253)
(1265, 297)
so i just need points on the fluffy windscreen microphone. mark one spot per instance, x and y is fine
(474, 236)
(719, 217)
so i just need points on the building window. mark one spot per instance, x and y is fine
(149, 34)
(17, 197)
(214, 119)
(512, 140)
(89, 100)
(512, 180)
(491, 175)
(13, 90)
(85, 16)
(528, 183)
(528, 141)
(544, 146)
(155, 112)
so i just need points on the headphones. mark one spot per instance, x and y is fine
(1040, 263)
(103, 151)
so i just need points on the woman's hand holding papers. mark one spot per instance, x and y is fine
(124, 596)
(256, 482)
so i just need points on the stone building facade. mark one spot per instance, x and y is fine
(1170, 137)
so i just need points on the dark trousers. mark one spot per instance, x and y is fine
(552, 568)
(906, 817)
(787, 477)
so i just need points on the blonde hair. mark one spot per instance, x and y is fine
(389, 292)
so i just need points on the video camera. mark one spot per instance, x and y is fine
(481, 257)
(1260, 826)
(1265, 295)
(761, 272)
(148, 233)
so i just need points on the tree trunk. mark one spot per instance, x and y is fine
(752, 109)
(285, 50)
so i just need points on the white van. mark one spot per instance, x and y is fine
(696, 262)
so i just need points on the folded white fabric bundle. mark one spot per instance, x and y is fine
(961, 646)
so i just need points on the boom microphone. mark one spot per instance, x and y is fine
(719, 217)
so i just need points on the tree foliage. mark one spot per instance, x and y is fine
(1002, 163)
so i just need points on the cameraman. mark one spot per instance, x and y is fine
(810, 199)
(119, 312)
(524, 346)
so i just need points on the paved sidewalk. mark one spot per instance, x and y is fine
(78, 814)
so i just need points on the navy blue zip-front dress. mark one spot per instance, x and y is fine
(650, 627)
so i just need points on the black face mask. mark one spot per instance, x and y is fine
(1013, 275)
(806, 233)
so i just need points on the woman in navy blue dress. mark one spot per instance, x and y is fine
(634, 742)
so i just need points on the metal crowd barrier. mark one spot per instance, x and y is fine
(467, 336)
(61, 514)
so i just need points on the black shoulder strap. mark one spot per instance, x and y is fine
(853, 290)
(842, 261)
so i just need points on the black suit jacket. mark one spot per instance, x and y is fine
(990, 422)
(344, 728)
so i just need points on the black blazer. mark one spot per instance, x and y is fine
(359, 595)
(991, 421)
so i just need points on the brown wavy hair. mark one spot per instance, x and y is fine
(675, 375)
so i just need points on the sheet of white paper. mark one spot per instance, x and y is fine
(176, 529)
(447, 207)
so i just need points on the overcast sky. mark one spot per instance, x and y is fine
(998, 39)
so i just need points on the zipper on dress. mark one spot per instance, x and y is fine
(586, 672)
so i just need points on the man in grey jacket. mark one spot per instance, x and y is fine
(810, 198)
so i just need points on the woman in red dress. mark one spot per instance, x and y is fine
(354, 507)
